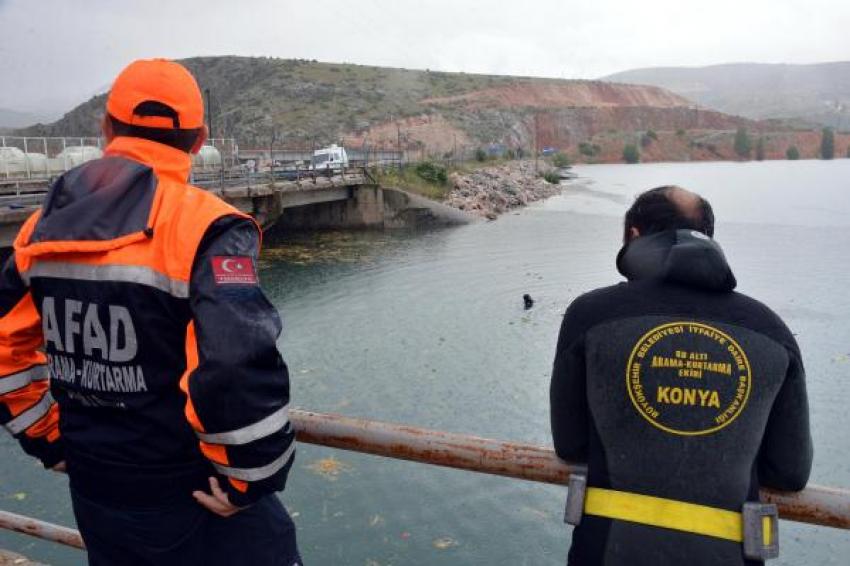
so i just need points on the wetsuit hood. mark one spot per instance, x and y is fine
(686, 257)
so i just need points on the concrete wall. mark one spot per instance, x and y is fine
(363, 209)
(370, 206)
(406, 210)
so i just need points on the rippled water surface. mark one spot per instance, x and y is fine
(429, 329)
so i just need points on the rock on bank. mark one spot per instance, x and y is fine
(491, 191)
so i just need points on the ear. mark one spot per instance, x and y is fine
(202, 137)
(106, 128)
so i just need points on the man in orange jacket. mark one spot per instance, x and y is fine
(132, 299)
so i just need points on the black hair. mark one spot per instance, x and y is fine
(654, 211)
(182, 139)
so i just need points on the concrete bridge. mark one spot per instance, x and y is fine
(349, 199)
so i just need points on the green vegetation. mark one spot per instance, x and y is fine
(560, 160)
(631, 153)
(409, 179)
(589, 149)
(680, 132)
(431, 172)
(792, 153)
(827, 144)
(551, 177)
(743, 143)
(647, 138)
(760, 149)
(480, 155)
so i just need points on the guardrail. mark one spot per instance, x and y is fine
(817, 505)
(43, 158)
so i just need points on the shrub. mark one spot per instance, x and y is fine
(631, 153)
(792, 153)
(560, 159)
(431, 172)
(680, 132)
(510, 154)
(589, 150)
(647, 138)
(480, 155)
(551, 177)
(743, 143)
(827, 144)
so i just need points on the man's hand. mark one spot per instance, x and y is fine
(60, 467)
(218, 502)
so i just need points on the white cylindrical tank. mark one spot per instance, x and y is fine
(207, 157)
(15, 163)
(38, 164)
(12, 162)
(74, 155)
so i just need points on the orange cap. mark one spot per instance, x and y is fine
(157, 80)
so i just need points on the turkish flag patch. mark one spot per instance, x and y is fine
(233, 270)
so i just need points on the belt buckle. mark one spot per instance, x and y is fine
(761, 531)
(575, 499)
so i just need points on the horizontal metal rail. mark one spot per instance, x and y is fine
(40, 529)
(817, 505)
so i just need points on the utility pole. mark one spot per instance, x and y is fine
(209, 114)
(454, 149)
(271, 153)
(536, 143)
(398, 144)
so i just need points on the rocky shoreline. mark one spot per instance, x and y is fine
(491, 191)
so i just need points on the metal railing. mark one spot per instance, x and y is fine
(817, 505)
(42, 158)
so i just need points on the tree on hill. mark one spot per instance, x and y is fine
(792, 153)
(647, 138)
(760, 149)
(589, 149)
(827, 144)
(631, 153)
(743, 143)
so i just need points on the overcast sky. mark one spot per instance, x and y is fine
(56, 53)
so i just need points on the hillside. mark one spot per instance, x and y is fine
(306, 102)
(432, 113)
(817, 93)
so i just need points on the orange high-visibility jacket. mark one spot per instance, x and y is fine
(159, 343)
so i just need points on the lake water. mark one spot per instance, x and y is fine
(429, 329)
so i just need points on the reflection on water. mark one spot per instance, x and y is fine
(429, 329)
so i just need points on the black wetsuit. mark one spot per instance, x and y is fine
(673, 385)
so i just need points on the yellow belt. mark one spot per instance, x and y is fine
(669, 514)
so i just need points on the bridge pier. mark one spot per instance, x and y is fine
(364, 208)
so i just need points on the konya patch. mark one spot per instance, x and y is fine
(233, 270)
(688, 378)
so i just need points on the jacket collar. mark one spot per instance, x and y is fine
(167, 162)
(685, 257)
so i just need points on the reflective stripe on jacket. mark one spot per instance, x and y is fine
(160, 343)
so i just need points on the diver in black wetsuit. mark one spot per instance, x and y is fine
(676, 390)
